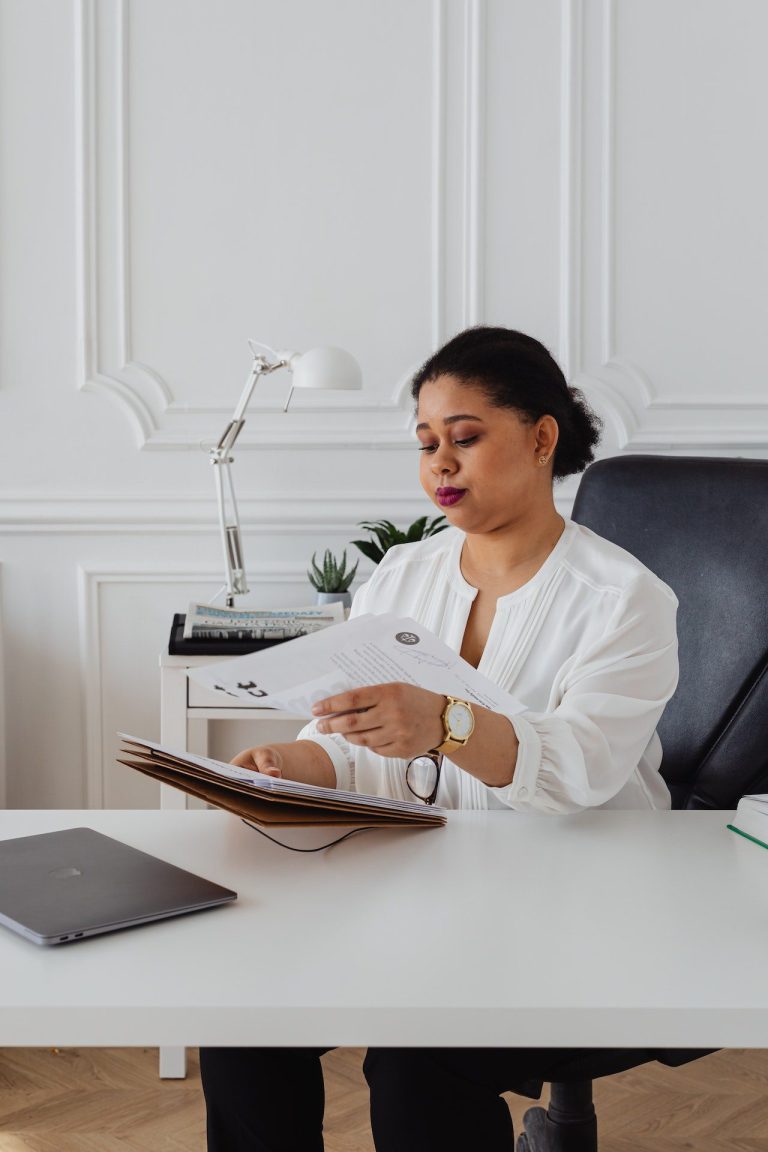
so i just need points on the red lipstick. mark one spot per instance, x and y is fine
(448, 496)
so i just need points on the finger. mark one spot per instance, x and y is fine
(349, 723)
(244, 760)
(394, 751)
(257, 760)
(358, 699)
(362, 739)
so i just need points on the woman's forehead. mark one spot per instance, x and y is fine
(446, 395)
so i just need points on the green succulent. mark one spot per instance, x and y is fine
(333, 576)
(386, 535)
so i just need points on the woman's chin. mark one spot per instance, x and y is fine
(458, 516)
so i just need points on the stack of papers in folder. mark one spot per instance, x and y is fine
(270, 799)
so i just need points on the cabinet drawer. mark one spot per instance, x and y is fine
(199, 697)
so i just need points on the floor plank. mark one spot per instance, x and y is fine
(111, 1100)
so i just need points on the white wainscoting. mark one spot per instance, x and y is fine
(3, 741)
(176, 177)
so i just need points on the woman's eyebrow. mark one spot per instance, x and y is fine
(451, 420)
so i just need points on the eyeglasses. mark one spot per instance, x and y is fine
(422, 776)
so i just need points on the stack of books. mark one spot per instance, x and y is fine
(205, 630)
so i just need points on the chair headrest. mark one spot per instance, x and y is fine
(701, 524)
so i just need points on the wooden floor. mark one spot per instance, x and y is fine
(111, 1100)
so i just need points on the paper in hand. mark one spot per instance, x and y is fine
(363, 651)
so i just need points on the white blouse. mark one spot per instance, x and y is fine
(588, 645)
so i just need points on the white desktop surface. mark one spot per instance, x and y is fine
(608, 928)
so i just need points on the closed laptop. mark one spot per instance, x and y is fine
(56, 887)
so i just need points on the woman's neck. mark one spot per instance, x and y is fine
(507, 552)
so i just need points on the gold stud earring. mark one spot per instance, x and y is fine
(543, 459)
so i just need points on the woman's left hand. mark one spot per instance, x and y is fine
(399, 720)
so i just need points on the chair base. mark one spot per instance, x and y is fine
(568, 1125)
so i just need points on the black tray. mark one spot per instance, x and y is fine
(239, 646)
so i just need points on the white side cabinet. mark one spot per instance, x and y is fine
(182, 701)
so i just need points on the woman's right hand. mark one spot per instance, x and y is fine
(265, 758)
(301, 760)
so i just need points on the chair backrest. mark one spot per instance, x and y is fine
(701, 524)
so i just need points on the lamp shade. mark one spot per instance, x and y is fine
(325, 368)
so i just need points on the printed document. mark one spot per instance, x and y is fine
(366, 650)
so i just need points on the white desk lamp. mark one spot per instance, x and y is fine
(327, 368)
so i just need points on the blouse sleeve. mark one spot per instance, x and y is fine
(607, 703)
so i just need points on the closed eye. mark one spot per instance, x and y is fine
(457, 444)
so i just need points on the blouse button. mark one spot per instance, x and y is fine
(522, 791)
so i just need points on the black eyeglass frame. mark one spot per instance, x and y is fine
(437, 760)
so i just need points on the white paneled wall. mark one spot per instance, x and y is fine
(177, 176)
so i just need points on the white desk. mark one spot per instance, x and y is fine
(604, 929)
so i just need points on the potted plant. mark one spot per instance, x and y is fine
(331, 579)
(386, 535)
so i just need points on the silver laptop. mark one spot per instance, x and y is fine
(62, 886)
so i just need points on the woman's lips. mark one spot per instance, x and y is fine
(448, 496)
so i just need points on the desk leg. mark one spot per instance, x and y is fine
(173, 726)
(173, 733)
(173, 1063)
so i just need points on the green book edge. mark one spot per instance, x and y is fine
(746, 835)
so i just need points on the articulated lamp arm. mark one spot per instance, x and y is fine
(318, 368)
(221, 458)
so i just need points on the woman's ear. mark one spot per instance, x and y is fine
(546, 432)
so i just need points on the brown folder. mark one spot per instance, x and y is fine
(275, 801)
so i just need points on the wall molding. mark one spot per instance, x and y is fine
(641, 420)
(106, 361)
(571, 130)
(176, 513)
(90, 580)
(475, 70)
(438, 177)
(3, 727)
(106, 364)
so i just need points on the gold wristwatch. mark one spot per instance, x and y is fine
(458, 725)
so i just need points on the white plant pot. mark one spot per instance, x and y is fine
(333, 597)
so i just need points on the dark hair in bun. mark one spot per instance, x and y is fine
(516, 371)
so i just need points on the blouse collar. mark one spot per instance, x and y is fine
(547, 569)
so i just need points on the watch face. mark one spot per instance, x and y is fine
(460, 721)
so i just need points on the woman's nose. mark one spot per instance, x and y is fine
(441, 461)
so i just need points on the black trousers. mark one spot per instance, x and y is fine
(422, 1099)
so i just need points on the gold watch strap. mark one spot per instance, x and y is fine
(450, 743)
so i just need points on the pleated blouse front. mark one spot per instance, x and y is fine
(588, 644)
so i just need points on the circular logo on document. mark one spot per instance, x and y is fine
(406, 638)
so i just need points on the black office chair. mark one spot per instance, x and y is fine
(701, 524)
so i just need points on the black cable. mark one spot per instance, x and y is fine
(291, 848)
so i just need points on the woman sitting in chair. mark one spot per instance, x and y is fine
(568, 623)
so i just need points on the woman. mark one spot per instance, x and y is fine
(568, 623)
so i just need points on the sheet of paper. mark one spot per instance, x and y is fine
(366, 650)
